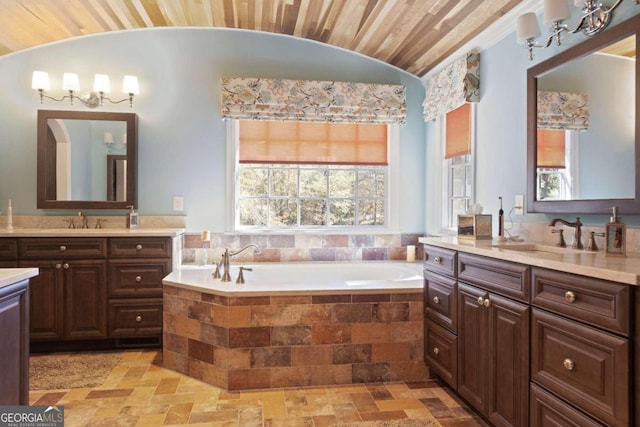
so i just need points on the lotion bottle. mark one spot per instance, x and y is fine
(132, 218)
(615, 236)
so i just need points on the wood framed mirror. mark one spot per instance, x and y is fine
(599, 167)
(81, 154)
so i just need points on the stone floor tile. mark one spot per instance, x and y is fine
(178, 414)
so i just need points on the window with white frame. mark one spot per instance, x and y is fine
(457, 164)
(556, 169)
(298, 175)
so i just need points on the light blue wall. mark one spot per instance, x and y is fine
(181, 135)
(501, 143)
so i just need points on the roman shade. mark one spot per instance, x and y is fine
(458, 132)
(550, 147)
(457, 83)
(312, 100)
(563, 110)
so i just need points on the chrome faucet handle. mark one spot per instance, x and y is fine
(240, 279)
(216, 273)
(99, 223)
(591, 244)
(70, 223)
(561, 243)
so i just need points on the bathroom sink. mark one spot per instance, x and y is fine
(538, 248)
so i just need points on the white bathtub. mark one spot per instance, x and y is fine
(299, 278)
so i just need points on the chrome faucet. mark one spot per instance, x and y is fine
(577, 234)
(85, 219)
(226, 277)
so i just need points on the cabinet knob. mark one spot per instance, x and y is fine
(63, 248)
(138, 278)
(486, 302)
(570, 296)
(138, 318)
(480, 301)
(138, 247)
(436, 300)
(58, 266)
(65, 266)
(437, 260)
(436, 350)
(568, 364)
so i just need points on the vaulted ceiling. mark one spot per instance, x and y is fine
(414, 35)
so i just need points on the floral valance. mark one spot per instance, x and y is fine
(312, 100)
(456, 84)
(563, 110)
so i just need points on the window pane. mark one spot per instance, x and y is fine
(342, 183)
(342, 212)
(253, 212)
(313, 211)
(253, 182)
(371, 212)
(283, 212)
(370, 183)
(458, 182)
(313, 183)
(284, 182)
(459, 208)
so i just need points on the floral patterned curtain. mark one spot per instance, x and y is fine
(563, 110)
(456, 84)
(312, 100)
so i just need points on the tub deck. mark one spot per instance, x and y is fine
(290, 338)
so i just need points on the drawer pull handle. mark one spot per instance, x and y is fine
(436, 300)
(63, 248)
(138, 318)
(138, 247)
(138, 278)
(480, 301)
(436, 350)
(568, 364)
(437, 260)
(486, 302)
(570, 296)
(58, 266)
(65, 266)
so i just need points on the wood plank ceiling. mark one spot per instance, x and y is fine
(414, 35)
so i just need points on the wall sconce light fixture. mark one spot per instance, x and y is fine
(595, 18)
(96, 98)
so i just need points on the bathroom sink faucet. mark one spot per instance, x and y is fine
(226, 277)
(85, 219)
(577, 226)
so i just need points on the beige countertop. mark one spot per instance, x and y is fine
(9, 276)
(92, 232)
(586, 263)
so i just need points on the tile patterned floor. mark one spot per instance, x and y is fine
(140, 392)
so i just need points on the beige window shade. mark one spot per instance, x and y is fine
(551, 148)
(458, 132)
(313, 143)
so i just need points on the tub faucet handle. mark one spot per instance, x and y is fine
(240, 279)
(561, 242)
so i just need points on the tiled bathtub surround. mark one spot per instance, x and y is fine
(305, 247)
(291, 341)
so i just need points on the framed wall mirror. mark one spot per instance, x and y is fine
(87, 160)
(583, 148)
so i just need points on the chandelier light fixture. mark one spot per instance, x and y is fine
(595, 18)
(96, 98)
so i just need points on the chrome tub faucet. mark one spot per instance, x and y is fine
(226, 256)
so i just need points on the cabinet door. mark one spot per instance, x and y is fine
(46, 300)
(14, 351)
(85, 299)
(473, 346)
(508, 359)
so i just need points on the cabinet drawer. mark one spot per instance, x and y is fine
(70, 248)
(548, 410)
(507, 278)
(440, 260)
(598, 302)
(131, 278)
(8, 249)
(441, 352)
(585, 366)
(141, 247)
(135, 317)
(440, 300)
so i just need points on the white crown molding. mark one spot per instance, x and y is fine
(497, 31)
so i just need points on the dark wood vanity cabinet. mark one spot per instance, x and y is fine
(102, 291)
(14, 350)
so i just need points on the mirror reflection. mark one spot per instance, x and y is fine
(586, 127)
(86, 160)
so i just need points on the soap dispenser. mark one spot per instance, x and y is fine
(615, 236)
(132, 218)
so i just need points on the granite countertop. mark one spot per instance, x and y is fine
(92, 232)
(586, 263)
(9, 276)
